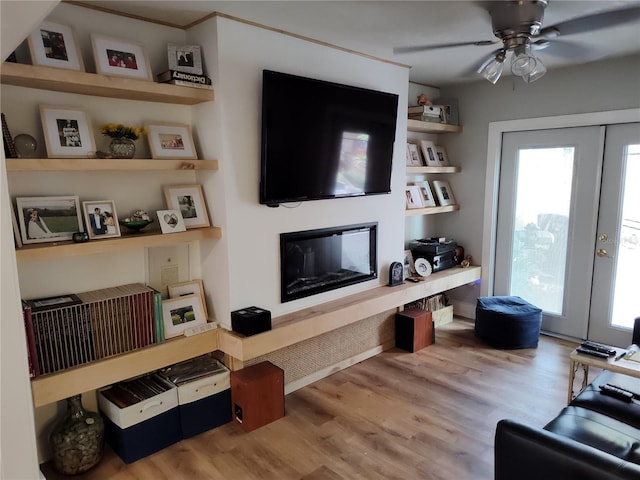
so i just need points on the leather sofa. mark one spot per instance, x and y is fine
(596, 437)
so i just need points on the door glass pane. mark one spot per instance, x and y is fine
(541, 226)
(626, 301)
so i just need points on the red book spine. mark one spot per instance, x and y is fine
(31, 342)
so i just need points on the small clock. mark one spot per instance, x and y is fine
(396, 272)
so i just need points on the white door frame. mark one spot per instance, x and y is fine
(494, 149)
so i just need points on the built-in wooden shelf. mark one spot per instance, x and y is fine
(313, 321)
(58, 386)
(50, 251)
(431, 127)
(71, 81)
(430, 210)
(419, 170)
(105, 164)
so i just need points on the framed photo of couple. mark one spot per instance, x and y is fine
(48, 219)
(101, 219)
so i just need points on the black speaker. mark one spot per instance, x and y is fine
(636, 331)
(251, 320)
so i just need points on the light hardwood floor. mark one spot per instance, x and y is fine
(424, 415)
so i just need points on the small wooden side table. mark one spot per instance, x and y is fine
(257, 395)
(414, 329)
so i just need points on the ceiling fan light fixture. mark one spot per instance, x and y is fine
(523, 62)
(538, 71)
(492, 70)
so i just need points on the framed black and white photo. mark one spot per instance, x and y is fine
(413, 198)
(48, 303)
(429, 153)
(67, 132)
(189, 200)
(120, 58)
(101, 219)
(192, 287)
(441, 155)
(416, 160)
(182, 313)
(409, 268)
(185, 58)
(428, 199)
(48, 219)
(170, 140)
(171, 221)
(444, 193)
(53, 45)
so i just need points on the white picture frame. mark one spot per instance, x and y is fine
(170, 140)
(189, 200)
(171, 221)
(53, 44)
(56, 219)
(441, 155)
(179, 314)
(192, 287)
(413, 198)
(429, 153)
(120, 58)
(67, 132)
(185, 58)
(444, 193)
(428, 200)
(414, 152)
(101, 219)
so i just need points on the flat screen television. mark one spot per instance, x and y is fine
(324, 140)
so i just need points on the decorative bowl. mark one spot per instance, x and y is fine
(135, 225)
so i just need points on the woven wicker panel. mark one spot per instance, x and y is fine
(310, 356)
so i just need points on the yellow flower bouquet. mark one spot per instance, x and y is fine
(118, 130)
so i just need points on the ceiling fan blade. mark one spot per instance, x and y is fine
(592, 22)
(565, 49)
(424, 48)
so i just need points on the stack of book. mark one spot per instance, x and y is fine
(130, 392)
(428, 113)
(176, 77)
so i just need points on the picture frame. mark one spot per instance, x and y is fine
(48, 219)
(185, 58)
(429, 153)
(120, 58)
(413, 200)
(441, 155)
(414, 152)
(170, 140)
(53, 44)
(444, 193)
(192, 287)
(101, 219)
(409, 267)
(49, 303)
(408, 159)
(181, 313)
(189, 200)
(67, 132)
(428, 200)
(171, 221)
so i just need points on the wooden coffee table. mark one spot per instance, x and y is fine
(577, 360)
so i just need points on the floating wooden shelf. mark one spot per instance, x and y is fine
(431, 210)
(105, 164)
(58, 386)
(49, 251)
(430, 127)
(419, 170)
(71, 81)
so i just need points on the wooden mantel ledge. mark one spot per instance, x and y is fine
(310, 322)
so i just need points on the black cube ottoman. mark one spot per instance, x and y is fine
(508, 322)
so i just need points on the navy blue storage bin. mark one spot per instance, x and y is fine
(508, 322)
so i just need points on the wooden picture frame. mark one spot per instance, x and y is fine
(428, 200)
(185, 58)
(49, 303)
(171, 221)
(444, 193)
(181, 313)
(170, 140)
(53, 44)
(414, 152)
(48, 219)
(192, 287)
(67, 132)
(120, 58)
(429, 153)
(189, 200)
(441, 156)
(413, 200)
(101, 219)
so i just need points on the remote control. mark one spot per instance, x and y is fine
(594, 353)
(598, 347)
(616, 392)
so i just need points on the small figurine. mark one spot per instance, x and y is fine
(466, 262)
(424, 100)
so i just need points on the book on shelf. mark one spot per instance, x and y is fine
(185, 83)
(158, 317)
(186, 79)
(31, 341)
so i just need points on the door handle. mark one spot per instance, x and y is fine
(602, 252)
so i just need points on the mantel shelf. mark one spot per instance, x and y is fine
(431, 127)
(419, 170)
(431, 210)
(71, 81)
(49, 251)
(105, 164)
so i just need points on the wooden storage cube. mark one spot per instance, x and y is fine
(257, 395)
(414, 329)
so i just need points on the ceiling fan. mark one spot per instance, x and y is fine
(518, 25)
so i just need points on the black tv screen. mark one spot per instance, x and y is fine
(324, 140)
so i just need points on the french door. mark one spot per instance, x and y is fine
(567, 210)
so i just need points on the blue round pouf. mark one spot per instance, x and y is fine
(508, 322)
